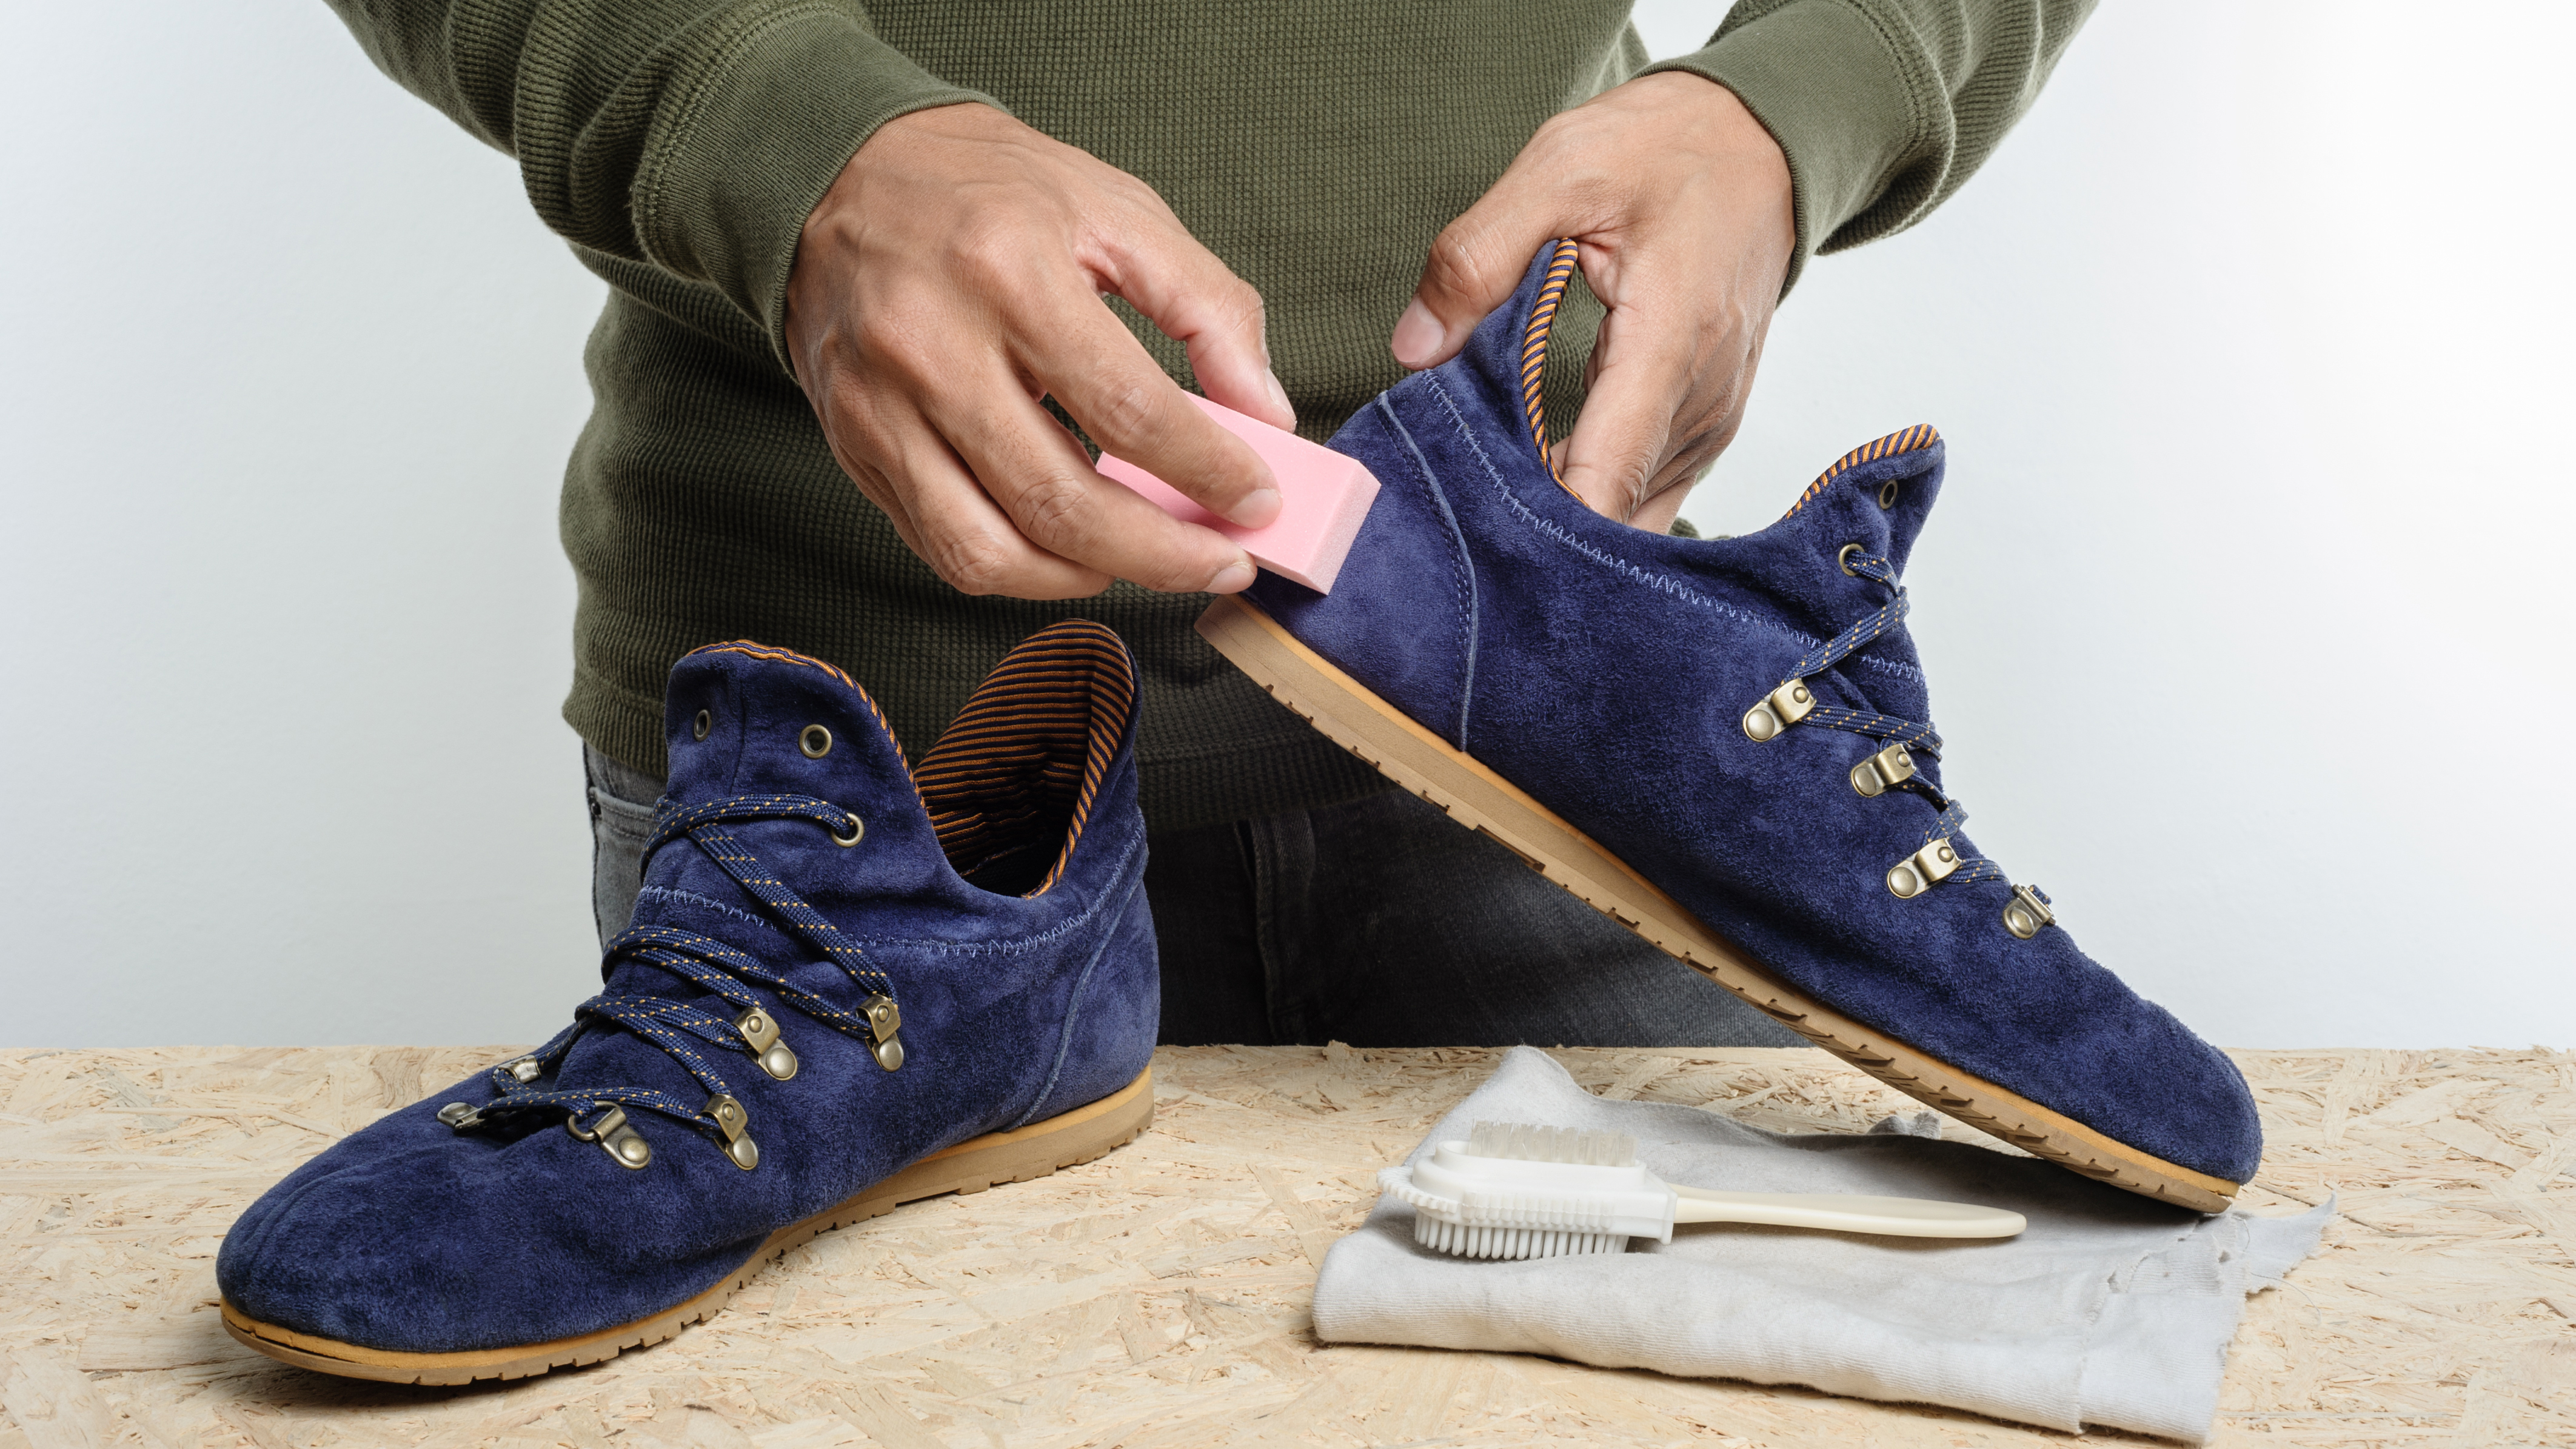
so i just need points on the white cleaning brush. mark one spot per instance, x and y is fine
(1516, 1191)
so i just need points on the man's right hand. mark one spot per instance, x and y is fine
(952, 277)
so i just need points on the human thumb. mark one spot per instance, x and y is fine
(1473, 266)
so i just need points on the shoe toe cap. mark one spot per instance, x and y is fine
(2077, 1040)
(2044, 1021)
(410, 1238)
(2181, 1099)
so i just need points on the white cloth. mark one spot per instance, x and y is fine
(2108, 1310)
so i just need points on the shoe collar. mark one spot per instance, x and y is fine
(742, 718)
(1036, 741)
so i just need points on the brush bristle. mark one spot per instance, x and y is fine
(1552, 1144)
(1464, 1242)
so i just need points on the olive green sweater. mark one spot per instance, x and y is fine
(1317, 148)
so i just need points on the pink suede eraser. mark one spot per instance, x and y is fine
(1323, 497)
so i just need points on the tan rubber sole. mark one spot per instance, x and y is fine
(1028, 1152)
(1420, 761)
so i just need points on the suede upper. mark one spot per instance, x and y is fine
(1607, 670)
(410, 1236)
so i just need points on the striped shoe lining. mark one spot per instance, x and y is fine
(1534, 334)
(1011, 783)
(1921, 435)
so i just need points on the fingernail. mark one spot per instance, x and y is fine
(1259, 509)
(1232, 579)
(1279, 395)
(1417, 336)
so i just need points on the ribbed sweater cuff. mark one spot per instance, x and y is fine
(1828, 86)
(765, 116)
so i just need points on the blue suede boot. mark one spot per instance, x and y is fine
(849, 984)
(1723, 744)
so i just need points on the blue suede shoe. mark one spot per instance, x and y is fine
(849, 984)
(1721, 744)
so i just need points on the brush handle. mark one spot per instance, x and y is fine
(1902, 1217)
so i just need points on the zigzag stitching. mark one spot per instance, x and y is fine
(1462, 568)
(672, 893)
(1651, 580)
(936, 946)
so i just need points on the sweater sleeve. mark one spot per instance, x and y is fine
(1883, 107)
(694, 136)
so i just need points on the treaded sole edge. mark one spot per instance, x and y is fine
(1020, 1155)
(1353, 716)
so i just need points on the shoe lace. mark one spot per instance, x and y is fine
(684, 1029)
(1940, 859)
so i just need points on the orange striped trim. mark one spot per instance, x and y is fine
(758, 650)
(1921, 435)
(1022, 764)
(1542, 321)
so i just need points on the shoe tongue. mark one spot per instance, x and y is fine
(1877, 495)
(1873, 501)
(779, 723)
(744, 719)
(776, 722)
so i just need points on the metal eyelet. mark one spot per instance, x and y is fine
(1842, 560)
(1784, 707)
(734, 1121)
(1887, 494)
(1879, 773)
(884, 1019)
(2025, 915)
(703, 725)
(617, 1136)
(610, 1120)
(760, 1032)
(815, 741)
(1922, 870)
(858, 829)
(629, 1147)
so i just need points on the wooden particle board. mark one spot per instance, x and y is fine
(1159, 1297)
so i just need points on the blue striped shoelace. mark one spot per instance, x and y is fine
(687, 1030)
(1917, 737)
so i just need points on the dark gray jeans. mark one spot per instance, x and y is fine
(1377, 923)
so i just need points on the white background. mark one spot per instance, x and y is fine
(2242, 604)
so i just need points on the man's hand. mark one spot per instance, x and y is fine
(1680, 204)
(951, 278)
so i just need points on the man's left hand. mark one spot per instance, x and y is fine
(1679, 202)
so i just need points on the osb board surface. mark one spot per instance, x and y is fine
(1159, 1297)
